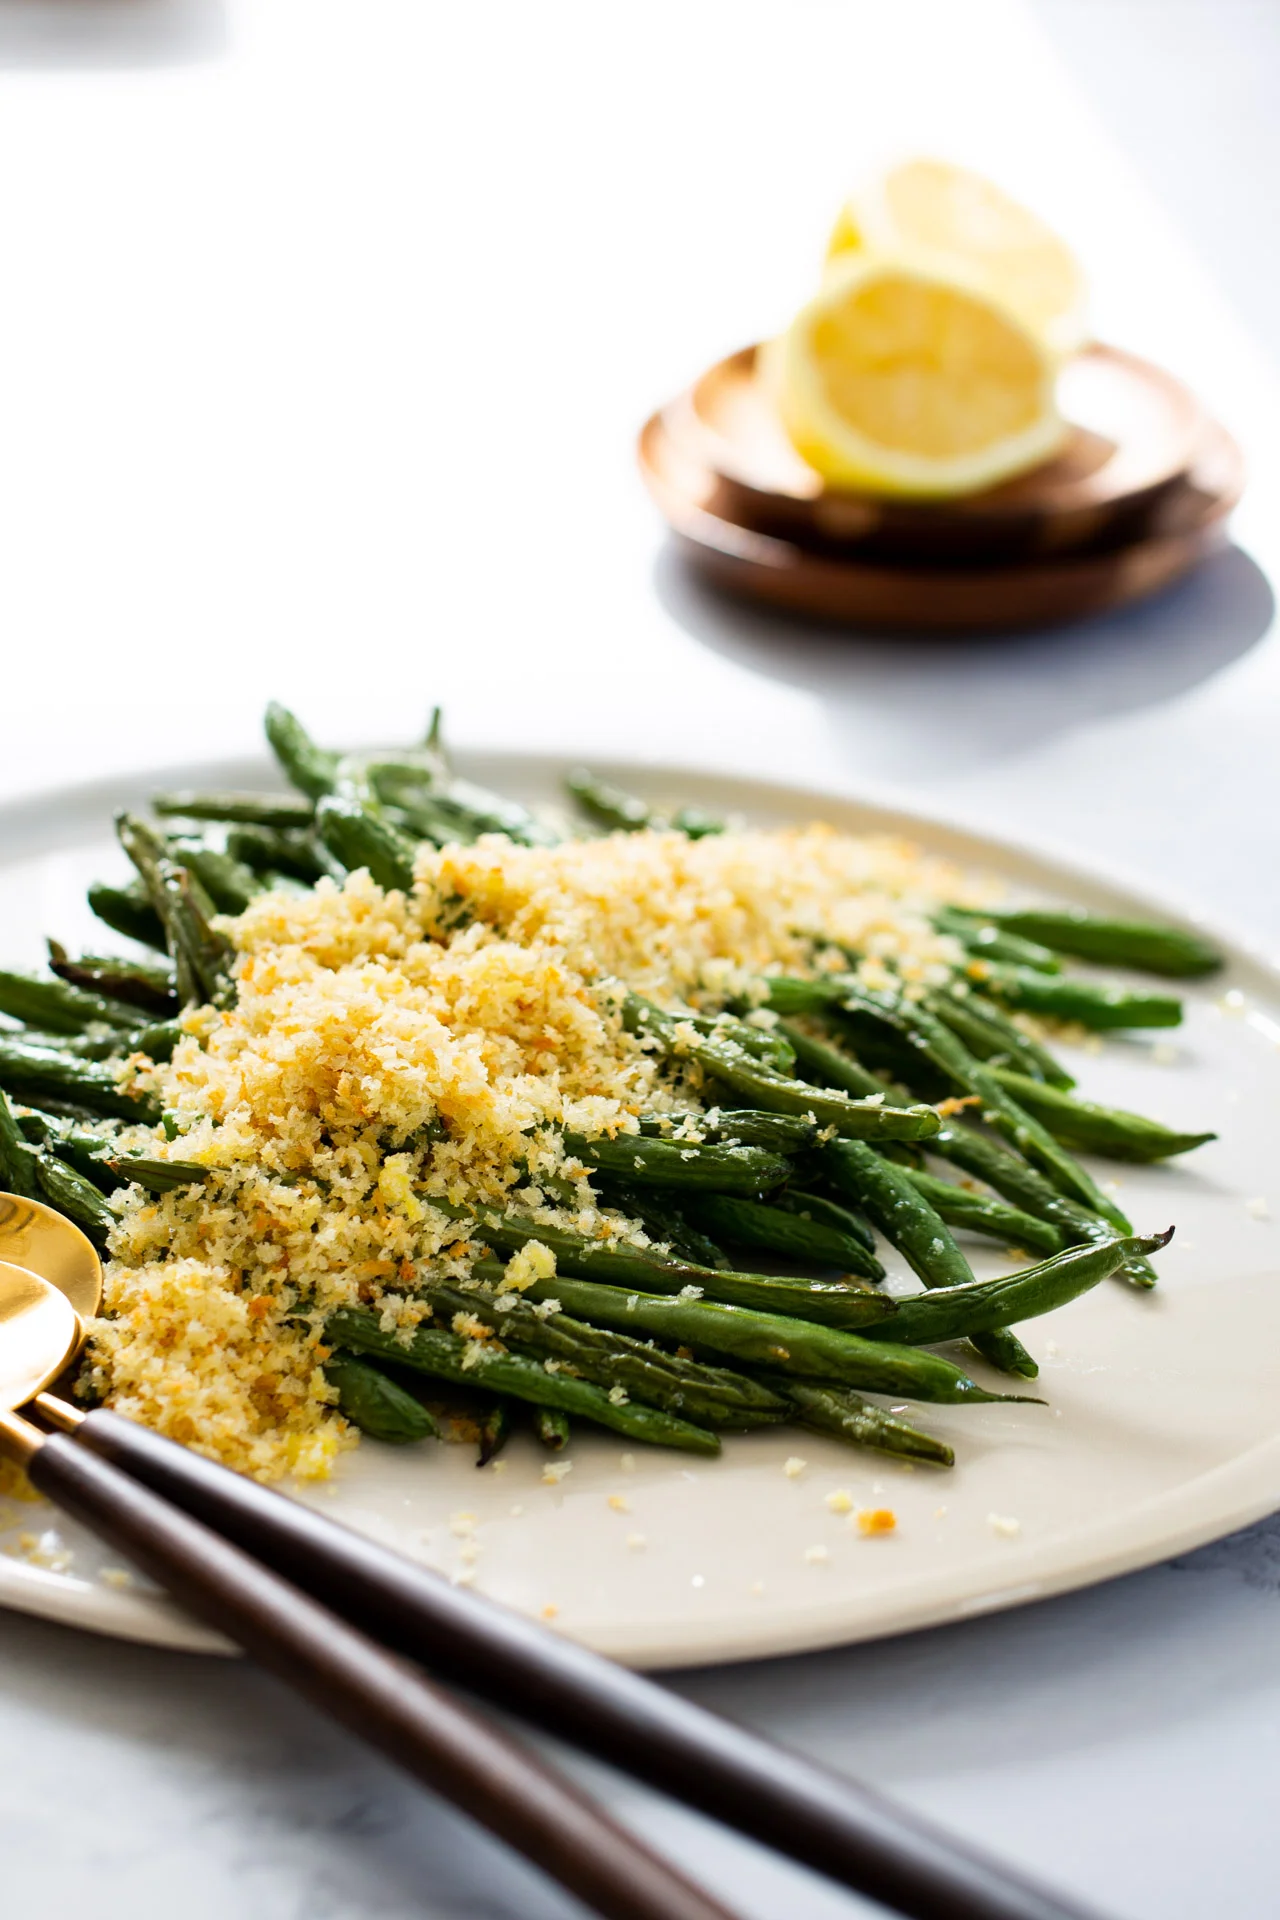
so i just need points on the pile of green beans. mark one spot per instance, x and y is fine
(757, 1298)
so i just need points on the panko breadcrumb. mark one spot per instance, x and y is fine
(384, 1050)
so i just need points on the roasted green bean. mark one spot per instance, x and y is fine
(470, 1363)
(908, 1219)
(749, 1223)
(980, 1213)
(1089, 1128)
(1066, 997)
(376, 1404)
(833, 1304)
(848, 1416)
(1116, 943)
(954, 1313)
(771, 1340)
(269, 810)
(147, 985)
(680, 1164)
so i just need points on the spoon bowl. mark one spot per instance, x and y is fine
(39, 1334)
(33, 1236)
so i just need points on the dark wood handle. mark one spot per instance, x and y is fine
(374, 1694)
(836, 1826)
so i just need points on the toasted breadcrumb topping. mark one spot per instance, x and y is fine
(387, 1050)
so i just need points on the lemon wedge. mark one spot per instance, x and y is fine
(900, 379)
(932, 208)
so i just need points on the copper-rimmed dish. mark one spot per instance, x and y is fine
(860, 588)
(1135, 434)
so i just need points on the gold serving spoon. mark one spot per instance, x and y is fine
(340, 1670)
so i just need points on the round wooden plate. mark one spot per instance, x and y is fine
(1187, 523)
(1135, 431)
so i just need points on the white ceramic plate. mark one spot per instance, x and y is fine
(1162, 1429)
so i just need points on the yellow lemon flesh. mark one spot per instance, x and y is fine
(927, 207)
(900, 379)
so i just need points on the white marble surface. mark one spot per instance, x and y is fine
(295, 292)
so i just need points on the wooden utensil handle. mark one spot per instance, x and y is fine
(842, 1829)
(373, 1694)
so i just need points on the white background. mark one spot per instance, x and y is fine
(325, 331)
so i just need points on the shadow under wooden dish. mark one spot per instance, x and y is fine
(1135, 432)
(1188, 522)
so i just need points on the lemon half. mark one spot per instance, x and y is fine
(930, 207)
(900, 378)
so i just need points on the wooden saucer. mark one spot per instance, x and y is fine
(1135, 431)
(1188, 522)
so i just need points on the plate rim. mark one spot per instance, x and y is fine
(1197, 1514)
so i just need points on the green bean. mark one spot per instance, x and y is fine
(750, 1224)
(268, 810)
(986, 1305)
(752, 1127)
(40, 1074)
(831, 1303)
(1068, 998)
(961, 1207)
(360, 838)
(827, 1066)
(552, 1428)
(144, 984)
(446, 809)
(1089, 1128)
(978, 935)
(431, 817)
(128, 910)
(431, 804)
(497, 1424)
(849, 1417)
(978, 1154)
(271, 850)
(468, 1363)
(75, 1196)
(861, 1120)
(988, 1032)
(202, 957)
(433, 738)
(157, 1041)
(902, 1213)
(762, 1043)
(607, 805)
(229, 883)
(696, 823)
(1116, 943)
(378, 1405)
(59, 1007)
(17, 1158)
(781, 1132)
(673, 1164)
(771, 1340)
(941, 1049)
(157, 1176)
(86, 1152)
(663, 1221)
(709, 1396)
(307, 766)
(816, 1206)
(913, 1224)
(612, 807)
